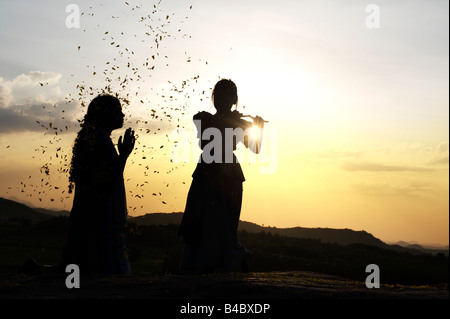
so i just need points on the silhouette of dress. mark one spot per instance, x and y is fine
(97, 239)
(211, 217)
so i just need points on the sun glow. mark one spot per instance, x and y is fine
(254, 133)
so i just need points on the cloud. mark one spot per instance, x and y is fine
(31, 98)
(31, 86)
(333, 154)
(440, 160)
(36, 79)
(5, 93)
(441, 155)
(443, 147)
(30, 116)
(412, 189)
(13, 121)
(375, 167)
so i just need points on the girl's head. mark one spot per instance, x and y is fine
(105, 111)
(224, 95)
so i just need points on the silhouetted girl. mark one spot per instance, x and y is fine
(213, 207)
(97, 239)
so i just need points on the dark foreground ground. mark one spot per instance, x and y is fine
(234, 286)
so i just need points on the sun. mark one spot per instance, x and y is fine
(255, 138)
(254, 133)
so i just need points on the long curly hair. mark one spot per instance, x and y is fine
(86, 140)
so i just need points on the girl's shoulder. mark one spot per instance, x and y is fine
(205, 119)
(203, 116)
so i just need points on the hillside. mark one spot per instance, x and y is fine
(415, 245)
(13, 210)
(52, 212)
(326, 235)
(156, 250)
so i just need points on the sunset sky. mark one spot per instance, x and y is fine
(358, 132)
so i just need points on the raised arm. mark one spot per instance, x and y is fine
(253, 131)
(100, 170)
(255, 136)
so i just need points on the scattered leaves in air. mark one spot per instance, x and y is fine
(126, 75)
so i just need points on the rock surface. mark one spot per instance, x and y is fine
(233, 286)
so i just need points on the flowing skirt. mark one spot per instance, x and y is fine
(97, 239)
(210, 223)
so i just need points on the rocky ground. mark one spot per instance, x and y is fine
(233, 286)
(224, 295)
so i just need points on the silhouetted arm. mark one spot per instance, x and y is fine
(104, 173)
(202, 121)
(252, 140)
(125, 147)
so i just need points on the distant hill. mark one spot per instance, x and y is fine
(52, 212)
(330, 235)
(10, 210)
(326, 235)
(415, 245)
